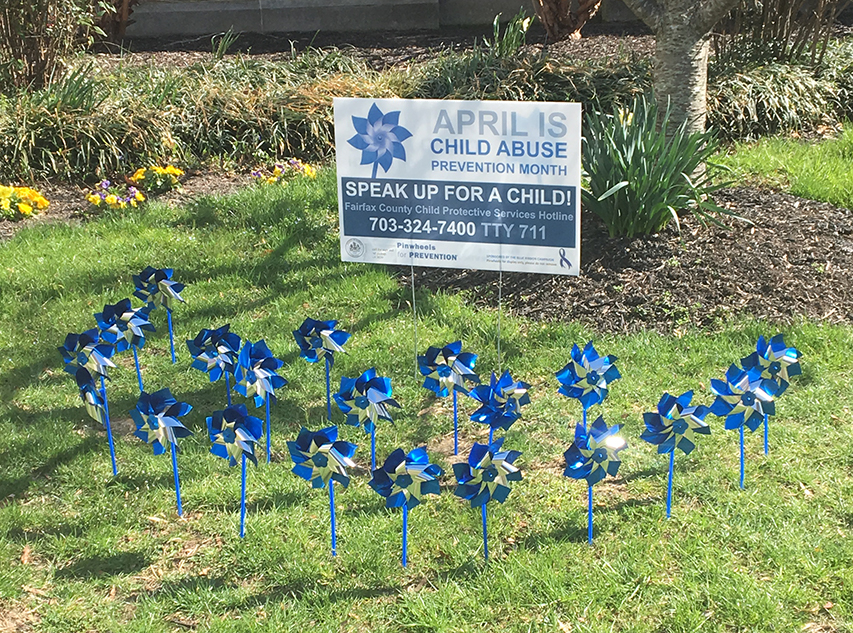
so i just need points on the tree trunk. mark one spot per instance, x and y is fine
(681, 72)
(682, 29)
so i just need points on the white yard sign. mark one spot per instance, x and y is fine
(487, 185)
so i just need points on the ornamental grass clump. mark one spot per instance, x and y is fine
(156, 179)
(111, 196)
(642, 174)
(282, 172)
(17, 203)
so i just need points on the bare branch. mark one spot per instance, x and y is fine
(649, 11)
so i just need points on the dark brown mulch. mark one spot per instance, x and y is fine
(382, 50)
(796, 260)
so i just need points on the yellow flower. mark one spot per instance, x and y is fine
(24, 208)
(133, 203)
(271, 181)
(6, 192)
(310, 171)
(139, 196)
(138, 175)
(158, 170)
(111, 199)
(174, 171)
(94, 199)
(5, 204)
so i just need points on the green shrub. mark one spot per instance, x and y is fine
(640, 173)
(476, 75)
(769, 100)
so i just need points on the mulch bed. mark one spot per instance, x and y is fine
(794, 260)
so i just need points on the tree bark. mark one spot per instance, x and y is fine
(682, 30)
(681, 72)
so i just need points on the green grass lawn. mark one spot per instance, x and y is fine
(81, 550)
(818, 171)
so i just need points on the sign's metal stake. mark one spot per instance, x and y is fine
(500, 288)
(414, 318)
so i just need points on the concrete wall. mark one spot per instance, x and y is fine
(169, 18)
(158, 18)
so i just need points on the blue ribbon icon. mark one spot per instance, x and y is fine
(564, 263)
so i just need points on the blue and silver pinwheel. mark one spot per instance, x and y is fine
(587, 376)
(777, 362)
(380, 138)
(321, 458)
(592, 456)
(96, 406)
(156, 416)
(125, 327)
(156, 288)
(255, 377)
(500, 402)
(445, 370)
(365, 401)
(675, 425)
(319, 340)
(403, 480)
(91, 396)
(215, 352)
(87, 350)
(485, 477)
(234, 434)
(743, 400)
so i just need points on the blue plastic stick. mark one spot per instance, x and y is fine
(455, 426)
(177, 479)
(171, 334)
(741, 458)
(332, 514)
(485, 535)
(373, 449)
(491, 435)
(766, 433)
(405, 534)
(328, 390)
(669, 484)
(584, 418)
(109, 428)
(138, 373)
(228, 388)
(589, 518)
(243, 501)
(269, 434)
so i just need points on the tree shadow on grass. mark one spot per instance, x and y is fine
(96, 566)
(17, 486)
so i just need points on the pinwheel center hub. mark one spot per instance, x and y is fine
(592, 377)
(679, 427)
(600, 455)
(316, 342)
(748, 398)
(229, 436)
(490, 474)
(775, 367)
(362, 402)
(321, 460)
(403, 481)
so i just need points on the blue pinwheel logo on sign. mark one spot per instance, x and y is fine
(380, 138)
